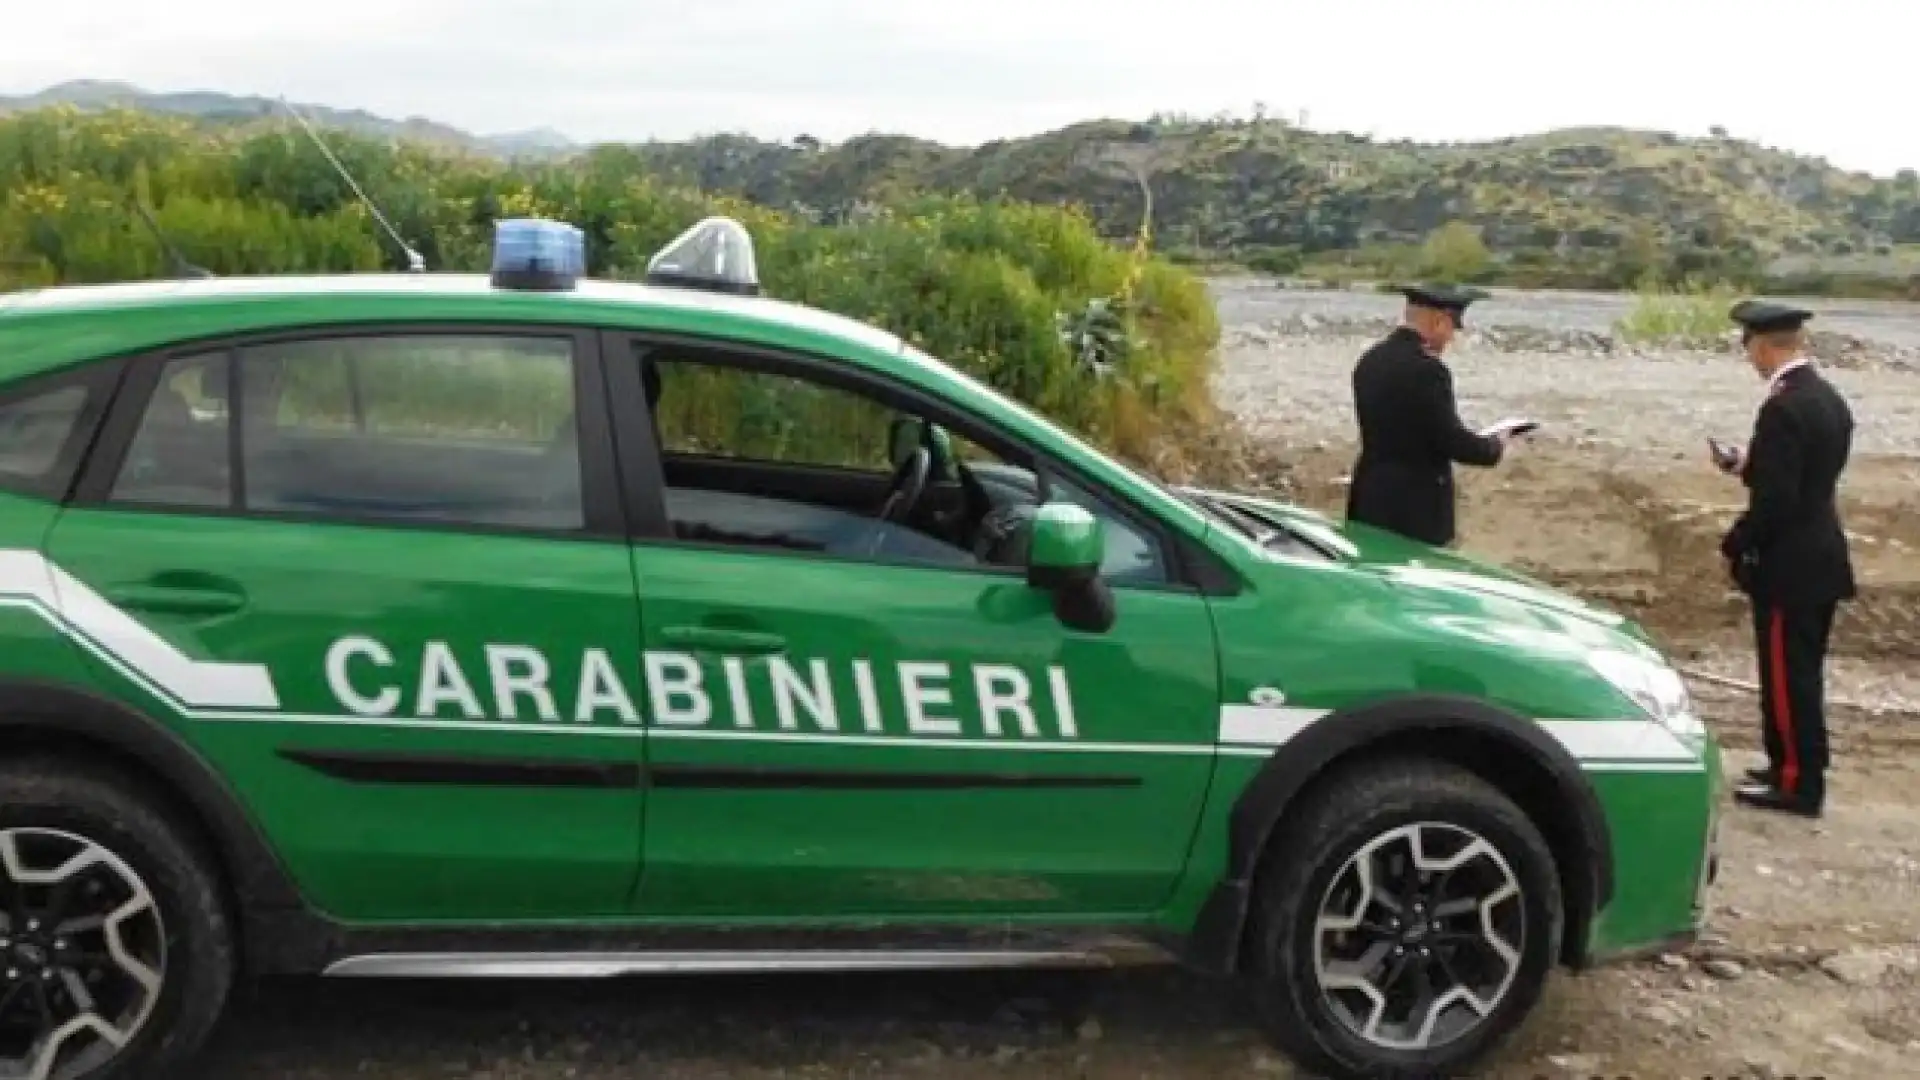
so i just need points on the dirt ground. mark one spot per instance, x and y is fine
(1812, 966)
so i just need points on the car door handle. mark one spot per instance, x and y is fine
(178, 599)
(719, 639)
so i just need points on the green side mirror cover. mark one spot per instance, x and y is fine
(1067, 545)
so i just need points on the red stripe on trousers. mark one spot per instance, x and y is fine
(1782, 706)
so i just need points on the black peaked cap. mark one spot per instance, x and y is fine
(1452, 299)
(1764, 317)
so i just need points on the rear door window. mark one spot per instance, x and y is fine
(449, 429)
(453, 429)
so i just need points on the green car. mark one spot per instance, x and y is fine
(529, 625)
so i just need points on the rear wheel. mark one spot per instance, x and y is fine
(116, 952)
(1407, 923)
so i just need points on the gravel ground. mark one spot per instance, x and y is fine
(1249, 300)
(1813, 964)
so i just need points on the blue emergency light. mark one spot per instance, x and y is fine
(538, 255)
(716, 255)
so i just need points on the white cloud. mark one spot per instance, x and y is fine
(981, 69)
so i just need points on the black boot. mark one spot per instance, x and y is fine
(1809, 802)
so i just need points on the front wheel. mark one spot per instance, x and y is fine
(115, 948)
(1407, 921)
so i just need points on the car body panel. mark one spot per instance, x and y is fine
(387, 608)
(1077, 794)
(1430, 621)
(32, 644)
(1663, 826)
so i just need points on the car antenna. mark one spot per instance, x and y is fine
(181, 267)
(415, 263)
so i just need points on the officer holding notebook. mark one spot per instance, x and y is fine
(1411, 434)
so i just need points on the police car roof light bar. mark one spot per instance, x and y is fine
(537, 255)
(715, 254)
(415, 263)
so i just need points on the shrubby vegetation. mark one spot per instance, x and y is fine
(1692, 314)
(1031, 299)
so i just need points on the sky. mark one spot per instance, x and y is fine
(968, 71)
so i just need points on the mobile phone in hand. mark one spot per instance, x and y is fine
(1727, 457)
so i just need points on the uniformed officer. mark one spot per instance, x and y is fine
(1788, 552)
(1411, 435)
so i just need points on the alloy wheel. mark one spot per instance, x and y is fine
(82, 954)
(1420, 936)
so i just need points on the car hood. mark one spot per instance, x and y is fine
(1447, 577)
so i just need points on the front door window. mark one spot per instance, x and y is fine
(767, 459)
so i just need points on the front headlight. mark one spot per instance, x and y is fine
(1655, 687)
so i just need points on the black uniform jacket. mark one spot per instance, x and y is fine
(1410, 438)
(1788, 547)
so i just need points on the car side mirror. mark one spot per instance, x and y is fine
(1064, 552)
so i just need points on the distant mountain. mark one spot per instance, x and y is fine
(217, 107)
(534, 142)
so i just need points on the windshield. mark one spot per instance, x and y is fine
(1234, 518)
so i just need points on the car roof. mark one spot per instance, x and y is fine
(151, 314)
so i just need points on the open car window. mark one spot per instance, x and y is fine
(781, 462)
(784, 462)
(707, 410)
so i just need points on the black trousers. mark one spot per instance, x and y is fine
(1791, 641)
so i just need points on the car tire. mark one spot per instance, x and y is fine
(113, 917)
(1486, 937)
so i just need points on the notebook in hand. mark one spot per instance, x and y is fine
(1514, 425)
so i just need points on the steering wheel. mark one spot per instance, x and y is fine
(909, 483)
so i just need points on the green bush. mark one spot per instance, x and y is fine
(1455, 252)
(1278, 261)
(983, 284)
(1691, 315)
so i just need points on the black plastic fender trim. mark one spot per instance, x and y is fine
(68, 715)
(1214, 945)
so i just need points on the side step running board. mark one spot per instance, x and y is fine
(582, 965)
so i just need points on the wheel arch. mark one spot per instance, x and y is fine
(43, 718)
(1510, 752)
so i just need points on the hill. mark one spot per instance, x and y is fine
(1596, 207)
(1604, 203)
(215, 107)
